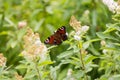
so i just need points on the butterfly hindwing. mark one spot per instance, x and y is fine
(49, 40)
(57, 37)
(53, 40)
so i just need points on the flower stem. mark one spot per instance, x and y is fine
(37, 69)
(83, 66)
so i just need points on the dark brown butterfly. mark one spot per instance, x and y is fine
(58, 36)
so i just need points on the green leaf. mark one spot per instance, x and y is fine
(3, 33)
(21, 66)
(37, 27)
(53, 73)
(115, 77)
(88, 69)
(76, 59)
(78, 74)
(45, 63)
(109, 30)
(89, 58)
(30, 75)
(65, 54)
(106, 36)
(86, 44)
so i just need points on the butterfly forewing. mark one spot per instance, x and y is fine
(62, 32)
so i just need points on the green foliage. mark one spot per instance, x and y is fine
(84, 59)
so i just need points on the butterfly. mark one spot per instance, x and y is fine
(58, 36)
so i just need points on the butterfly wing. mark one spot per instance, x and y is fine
(53, 40)
(57, 37)
(49, 40)
(62, 33)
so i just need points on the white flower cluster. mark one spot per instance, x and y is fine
(112, 5)
(81, 31)
(2, 60)
(33, 47)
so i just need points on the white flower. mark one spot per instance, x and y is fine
(18, 77)
(118, 9)
(112, 5)
(86, 12)
(2, 60)
(37, 42)
(75, 23)
(85, 28)
(77, 37)
(33, 47)
(22, 24)
(69, 75)
(103, 43)
(105, 51)
(81, 32)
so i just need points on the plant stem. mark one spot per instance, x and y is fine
(39, 77)
(83, 66)
(2, 19)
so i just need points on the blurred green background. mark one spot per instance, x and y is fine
(44, 17)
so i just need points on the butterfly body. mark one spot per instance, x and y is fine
(58, 36)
